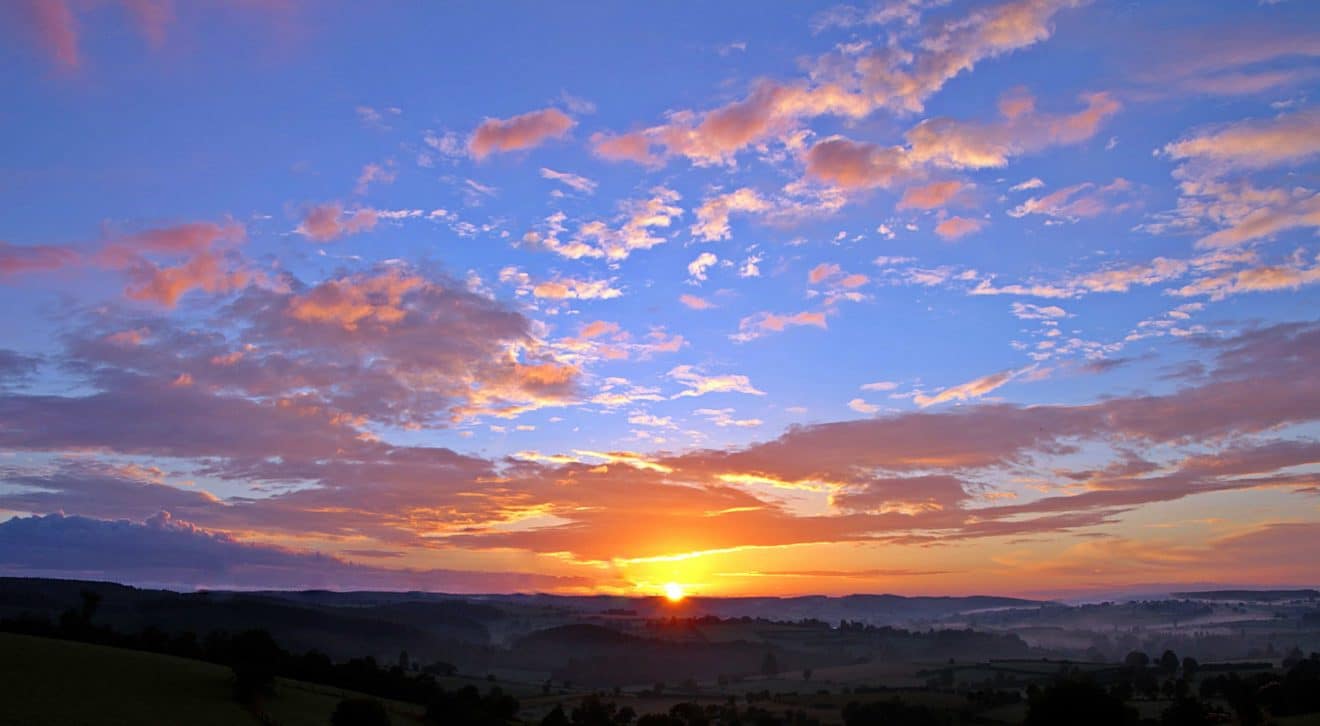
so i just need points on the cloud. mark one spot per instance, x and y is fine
(822, 272)
(54, 26)
(972, 389)
(1078, 201)
(713, 214)
(635, 228)
(695, 303)
(851, 86)
(952, 144)
(20, 259)
(861, 406)
(163, 551)
(1218, 193)
(374, 174)
(569, 288)
(757, 325)
(930, 196)
(572, 181)
(724, 418)
(880, 386)
(161, 264)
(955, 227)
(698, 266)
(521, 132)
(699, 384)
(1027, 311)
(1265, 278)
(326, 222)
(1254, 144)
(856, 165)
(364, 492)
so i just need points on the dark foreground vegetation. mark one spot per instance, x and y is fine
(584, 668)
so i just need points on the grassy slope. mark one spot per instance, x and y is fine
(57, 682)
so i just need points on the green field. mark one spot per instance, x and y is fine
(44, 681)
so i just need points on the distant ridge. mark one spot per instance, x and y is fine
(1249, 595)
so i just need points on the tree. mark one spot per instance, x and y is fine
(255, 659)
(1190, 667)
(806, 674)
(360, 712)
(769, 665)
(556, 717)
(1136, 659)
(1078, 703)
(1186, 712)
(1169, 661)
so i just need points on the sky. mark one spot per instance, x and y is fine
(1010, 297)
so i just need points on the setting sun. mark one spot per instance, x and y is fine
(674, 592)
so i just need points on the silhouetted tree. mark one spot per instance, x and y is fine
(1136, 659)
(360, 712)
(888, 713)
(255, 659)
(1169, 661)
(556, 717)
(1077, 703)
(1190, 666)
(769, 665)
(1186, 712)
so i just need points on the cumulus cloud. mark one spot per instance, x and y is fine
(698, 266)
(713, 214)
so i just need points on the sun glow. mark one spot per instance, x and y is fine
(674, 592)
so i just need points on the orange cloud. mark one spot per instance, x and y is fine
(350, 302)
(525, 131)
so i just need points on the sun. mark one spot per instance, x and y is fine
(674, 592)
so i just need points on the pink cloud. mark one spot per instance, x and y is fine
(325, 222)
(856, 165)
(695, 303)
(930, 196)
(526, 131)
(16, 259)
(956, 227)
(55, 28)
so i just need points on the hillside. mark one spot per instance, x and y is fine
(56, 682)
